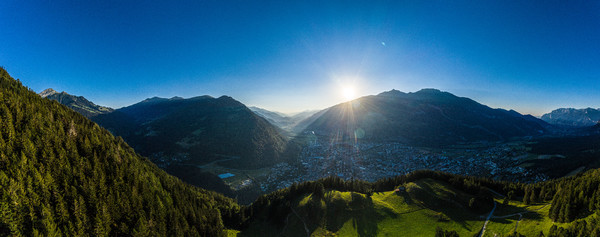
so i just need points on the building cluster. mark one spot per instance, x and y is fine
(371, 161)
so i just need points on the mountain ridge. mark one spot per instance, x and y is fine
(194, 122)
(289, 123)
(183, 136)
(428, 116)
(573, 117)
(77, 103)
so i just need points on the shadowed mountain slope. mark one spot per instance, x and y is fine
(428, 117)
(197, 131)
(289, 123)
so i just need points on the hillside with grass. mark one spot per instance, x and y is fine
(412, 212)
(428, 203)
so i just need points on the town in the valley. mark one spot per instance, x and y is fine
(371, 161)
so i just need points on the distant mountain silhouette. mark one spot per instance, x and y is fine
(77, 103)
(301, 125)
(426, 117)
(197, 131)
(283, 121)
(573, 117)
(278, 119)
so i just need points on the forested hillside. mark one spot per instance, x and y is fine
(61, 174)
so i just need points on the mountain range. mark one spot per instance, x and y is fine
(427, 117)
(197, 131)
(204, 129)
(289, 123)
(182, 135)
(573, 117)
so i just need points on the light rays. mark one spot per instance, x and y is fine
(349, 92)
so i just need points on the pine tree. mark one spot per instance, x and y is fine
(526, 196)
(532, 196)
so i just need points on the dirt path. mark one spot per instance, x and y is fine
(520, 214)
(487, 220)
(517, 224)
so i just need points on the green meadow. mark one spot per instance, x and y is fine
(416, 210)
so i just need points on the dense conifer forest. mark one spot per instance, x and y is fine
(63, 175)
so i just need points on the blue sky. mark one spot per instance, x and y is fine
(531, 56)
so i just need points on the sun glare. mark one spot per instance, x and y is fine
(348, 92)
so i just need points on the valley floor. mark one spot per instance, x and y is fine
(371, 161)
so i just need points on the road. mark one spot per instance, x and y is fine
(517, 225)
(520, 214)
(487, 220)
(228, 158)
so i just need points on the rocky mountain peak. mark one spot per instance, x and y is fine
(392, 93)
(48, 92)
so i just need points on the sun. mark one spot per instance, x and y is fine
(348, 92)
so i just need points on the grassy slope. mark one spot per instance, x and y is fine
(531, 224)
(425, 205)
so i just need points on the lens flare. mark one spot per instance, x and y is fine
(348, 93)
